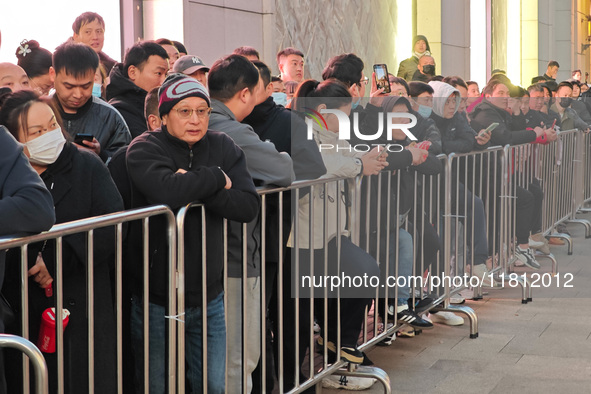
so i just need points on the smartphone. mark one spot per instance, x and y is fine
(553, 124)
(384, 150)
(82, 137)
(489, 129)
(381, 75)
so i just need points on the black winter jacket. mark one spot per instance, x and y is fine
(456, 134)
(511, 129)
(101, 120)
(153, 160)
(81, 187)
(129, 100)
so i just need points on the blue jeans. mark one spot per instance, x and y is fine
(216, 346)
(405, 262)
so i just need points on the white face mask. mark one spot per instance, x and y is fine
(280, 98)
(46, 149)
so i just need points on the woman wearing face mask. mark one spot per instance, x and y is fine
(37, 63)
(81, 187)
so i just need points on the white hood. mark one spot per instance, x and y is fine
(441, 93)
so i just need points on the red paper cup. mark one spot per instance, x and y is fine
(46, 341)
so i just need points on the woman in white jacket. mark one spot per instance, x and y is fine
(341, 161)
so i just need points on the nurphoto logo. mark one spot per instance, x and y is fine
(344, 131)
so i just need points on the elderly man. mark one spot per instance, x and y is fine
(179, 163)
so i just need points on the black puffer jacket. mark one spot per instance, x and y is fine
(101, 120)
(129, 100)
(510, 131)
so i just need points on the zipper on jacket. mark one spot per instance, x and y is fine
(190, 158)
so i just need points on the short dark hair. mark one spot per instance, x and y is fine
(437, 78)
(139, 54)
(400, 81)
(576, 71)
(231, 74)
(247, 51)
(276, 79)
(264, 71)
(151, 103)
(538, 79)
(518, 92)
(180, 47)
(16, 106)
(346, 68)
(416, 88)
(553, 63)
(287, 52)
(468, 83)
(36, 62)
(455, 81)
(85, 18)
(536, 87)
(564, 84)
(164, 41)
(75, 59)
(334, 93)
(491, 86)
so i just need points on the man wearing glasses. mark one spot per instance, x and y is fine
(89, 29)
(183, 162)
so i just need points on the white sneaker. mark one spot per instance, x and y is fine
(483, 275)
(535, 244)
(347, 382)
(448, 318)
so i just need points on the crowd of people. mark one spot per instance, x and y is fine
(83, 135)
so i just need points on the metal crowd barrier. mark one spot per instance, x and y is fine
(88, 226)
(491, 176)
(584, 191)
(34, 354)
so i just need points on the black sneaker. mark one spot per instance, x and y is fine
(387, 341)
(410, 318)
(421, 305)
(366, 360)
(352, 355)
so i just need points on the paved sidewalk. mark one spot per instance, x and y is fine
(540, 347)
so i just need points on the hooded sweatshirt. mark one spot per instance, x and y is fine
(407, 67)
(128, 99)
(456, 134)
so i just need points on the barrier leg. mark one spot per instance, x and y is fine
(585, 223)
(552, 259)
(466, 311)
(566, 238)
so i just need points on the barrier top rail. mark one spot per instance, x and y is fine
(84, 225)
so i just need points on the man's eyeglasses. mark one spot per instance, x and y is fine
(186, 113)
(364, 81)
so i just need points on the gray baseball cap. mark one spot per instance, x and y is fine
(188, 64)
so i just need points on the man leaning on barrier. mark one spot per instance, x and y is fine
(180, 163)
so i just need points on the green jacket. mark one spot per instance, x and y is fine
(407, 68)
